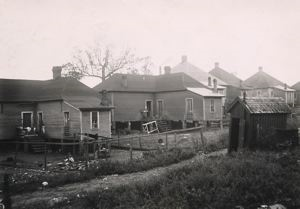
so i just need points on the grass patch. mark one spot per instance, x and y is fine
(247, 179)
(151, 159)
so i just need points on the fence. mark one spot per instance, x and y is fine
(82, 146)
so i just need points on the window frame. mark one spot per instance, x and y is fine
(31, 118)
(258, 93)
(91, 120)
(160, 113)
(212, 104)
(187, 105)
(151, 111)
(66, 122)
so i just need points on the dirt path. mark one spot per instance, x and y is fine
(46, 197)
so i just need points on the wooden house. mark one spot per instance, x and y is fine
(175, 97)
(262, 84)
(255, 118)
(234, 85)
(62, 106)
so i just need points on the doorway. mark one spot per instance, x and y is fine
(234, 137)
(27, 119)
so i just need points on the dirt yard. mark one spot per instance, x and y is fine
(52, 196)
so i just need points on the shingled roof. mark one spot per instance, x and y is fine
(262, 80)
(225, 76)
(148, 83)
(67, 89)
(262, 105)
(195, 72)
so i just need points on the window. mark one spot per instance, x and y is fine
(189, 105)
(1, 108)
(160, 108)
(271, 93)
(94, 120)
(212, 105)
(148, 107)
(258, 93)
(66, 118)
(295, 95)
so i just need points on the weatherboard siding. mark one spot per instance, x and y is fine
(174, 105)
(128, 106)
(217, 114)
(10, 119)
(104, 123)
(53, 118)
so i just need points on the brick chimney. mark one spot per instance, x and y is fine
(56, 72)
(215, 86)
(167, 69)
(260, 68)
(209, 81)
(184, 58)
(124, 81)
(285, 86)
(216, 65)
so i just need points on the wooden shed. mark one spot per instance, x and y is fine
(253, 119)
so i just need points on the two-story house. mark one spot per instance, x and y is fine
(262, 84)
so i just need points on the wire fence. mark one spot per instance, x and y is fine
(84, 147)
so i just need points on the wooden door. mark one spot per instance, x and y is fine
(27, 119)
(234, 136)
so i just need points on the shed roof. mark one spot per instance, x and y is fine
(67, 89)
(204, 92)
(262, 105)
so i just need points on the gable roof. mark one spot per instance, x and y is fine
(296, 86)
(148, 83)
(195, 72)
(262, 80)
(67, 89)
(262, 105)
(225, 76)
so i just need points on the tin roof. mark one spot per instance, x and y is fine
(262, 105)
(204, 92)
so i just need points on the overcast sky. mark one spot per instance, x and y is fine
(239, 34)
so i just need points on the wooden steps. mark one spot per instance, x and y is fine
(36, 148)
(163, 125)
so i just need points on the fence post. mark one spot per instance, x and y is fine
(130, 149)
(166, 141)
(45, 155)
(118, 138)
(140, 142)
(16, 152)
(221, 124)
(6, 191)
(74, 138)
(197, 143)
(202, 139)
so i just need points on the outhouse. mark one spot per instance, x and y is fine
(253, 119)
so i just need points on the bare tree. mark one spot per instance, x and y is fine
(101, 62)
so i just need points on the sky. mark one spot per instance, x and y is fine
(239, 34)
